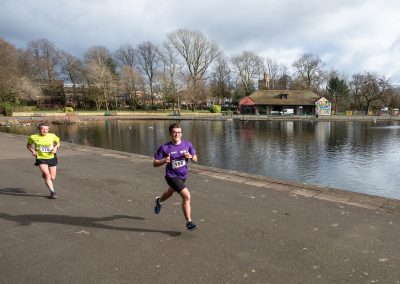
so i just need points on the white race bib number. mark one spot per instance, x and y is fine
(178, 163)
(45, 149)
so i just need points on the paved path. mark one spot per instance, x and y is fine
(102, 229)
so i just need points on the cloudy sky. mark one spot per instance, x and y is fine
(348, 35)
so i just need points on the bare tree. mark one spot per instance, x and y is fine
(103, 79)
(272, 68)
(45, 57)
(14, 88)
(373, 89)
(172, 75)
(248, 67)
(197, 51)
(98, 54)
(8, 70)
(149, 60)
(221, 80)
(101, 71)
(133, 83)
(392, 97)
(355, 86)
(25, 90)
(26, 64)
(309, 71)
(368, 88)
(125, 55)
(71, 67)
(284, 79)
(8, 60)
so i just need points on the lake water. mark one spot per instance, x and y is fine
(356, 156)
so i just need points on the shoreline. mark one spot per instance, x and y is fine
(80, 117)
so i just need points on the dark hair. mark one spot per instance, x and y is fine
(43, 124)
(172, 126)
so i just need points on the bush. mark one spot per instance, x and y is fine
(215, 109)
(68, 109)
(6, 106)
(17, 107)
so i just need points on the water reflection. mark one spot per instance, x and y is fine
(358, 156)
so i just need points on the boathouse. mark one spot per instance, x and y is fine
(280, 102)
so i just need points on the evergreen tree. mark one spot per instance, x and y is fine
(337, 90)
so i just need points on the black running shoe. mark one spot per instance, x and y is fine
(191, 226)
(53, 195)
(157, 208)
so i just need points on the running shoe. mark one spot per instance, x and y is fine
(53, 195)
(191, 226)
(157, 208)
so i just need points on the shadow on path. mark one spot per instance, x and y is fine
(16, 191)
(89, 222)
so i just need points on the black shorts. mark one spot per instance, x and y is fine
(176, 183)
(51, 162)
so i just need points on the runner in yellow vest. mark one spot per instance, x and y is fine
(44, 146)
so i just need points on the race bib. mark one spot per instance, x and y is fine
(178, 163)
(45, 149)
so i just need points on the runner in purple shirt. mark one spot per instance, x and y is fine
(176, 155)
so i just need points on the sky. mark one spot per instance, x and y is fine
(349, 36)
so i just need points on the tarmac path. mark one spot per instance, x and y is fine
(102, 229)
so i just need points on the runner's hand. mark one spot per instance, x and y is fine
(168, 158)
(188, 156)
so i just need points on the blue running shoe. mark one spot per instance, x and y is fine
(157, 208)
(191, 226)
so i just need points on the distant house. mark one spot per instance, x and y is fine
(290, 102)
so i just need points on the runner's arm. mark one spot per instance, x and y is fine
(189, 156)
(165, 160)
(55, 148)
(158, 163)
(31, 149)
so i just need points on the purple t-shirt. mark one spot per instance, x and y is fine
(178, 167)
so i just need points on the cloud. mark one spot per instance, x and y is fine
(350, 36)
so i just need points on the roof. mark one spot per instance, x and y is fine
(276, 97)
(246, 101)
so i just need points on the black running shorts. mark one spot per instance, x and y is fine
(50, 162)
(176, 183)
